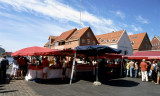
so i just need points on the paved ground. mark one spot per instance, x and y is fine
(55, 87)
(116, 87)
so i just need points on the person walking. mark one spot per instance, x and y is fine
(4, 65)
(158, 72)
(131, 65)
(144, 66)
(127, 69)
(14, 68)
(136, 69)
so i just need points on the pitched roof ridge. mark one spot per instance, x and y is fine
(138, 33)
(111, 32)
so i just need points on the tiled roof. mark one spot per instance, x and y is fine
(46, 45)
(65, 35)
(52, 37)
(76, 35)
(137, 39)
(108, 38)
(158, 38)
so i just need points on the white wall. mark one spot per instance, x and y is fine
(125, 45)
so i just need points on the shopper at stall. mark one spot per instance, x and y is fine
(4, 65)
(102, 70)
(158, 72)
(45, 64)
(14, 68)
(131, 65)
(136, 69)
(127, 69)
(64, 67)
(21, 63)
(144, 66)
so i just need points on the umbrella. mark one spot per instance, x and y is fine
(34, 51)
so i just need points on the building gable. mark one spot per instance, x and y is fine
(110, 38)
(145, 44)
(88, 38)
(155, 43)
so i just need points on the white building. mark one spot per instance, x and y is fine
(117, 40)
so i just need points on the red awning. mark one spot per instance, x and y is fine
(34, 51)
(145, 55)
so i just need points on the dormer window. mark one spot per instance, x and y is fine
(72, 37)
(102, 40)
(107, 41)
(113, 40)
(99, 38)
(76, 33)
(132, 43)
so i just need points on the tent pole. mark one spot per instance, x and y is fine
(73, 68)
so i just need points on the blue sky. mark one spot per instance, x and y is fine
(25, 23)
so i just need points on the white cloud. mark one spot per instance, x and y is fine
(142, 20)
(136, 28)
(57, 10)
(119, 13)
(130, 33)
(39, 30)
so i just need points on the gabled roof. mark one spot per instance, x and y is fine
(158, 38)
(76, 35)
(65, 35)
(46, 45)
(52, 37)
(108, 38)
(137, 39)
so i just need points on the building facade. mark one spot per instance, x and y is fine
(155, 43)
(73, 38)
(118, 40)
(140, 42)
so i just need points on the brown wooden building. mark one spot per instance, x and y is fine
(155, 43)
(73, 38)
(140, 42)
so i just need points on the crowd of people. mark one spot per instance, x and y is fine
(144, 69)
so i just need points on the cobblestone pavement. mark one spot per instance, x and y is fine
(17, 88)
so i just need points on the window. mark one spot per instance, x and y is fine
(125, 52)
(83, 40)
(132, 42)
(88, 41)
(113, 40)
(146, 46)
(88, 34)
(99, 38)
(56, 44)
(102, 40)
(94, 42)
(72, 37)
(76, 33)
(107, 41)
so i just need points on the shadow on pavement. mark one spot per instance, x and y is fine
(8, 91)
(121, 83)
(56, 81)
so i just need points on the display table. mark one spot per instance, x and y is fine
(52, 73)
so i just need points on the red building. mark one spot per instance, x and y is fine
(155, 43)
(140, 42)
(73, 38)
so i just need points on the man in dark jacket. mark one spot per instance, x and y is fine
(4, 64)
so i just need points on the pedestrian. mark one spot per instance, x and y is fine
(158, 72)
(14, 68)
(4, 65)
(131, 65)
(127, 69)
(152, 72)
(144, 66)
(64, 67)
(45, 64)
(136, 69)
